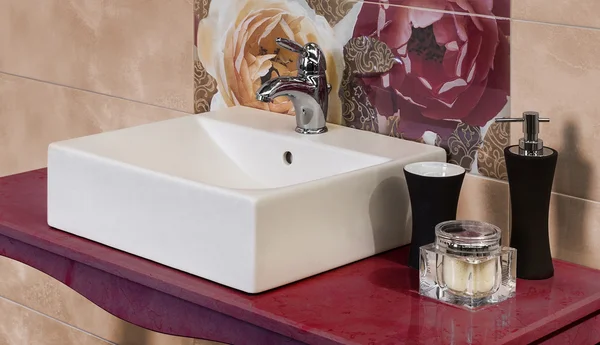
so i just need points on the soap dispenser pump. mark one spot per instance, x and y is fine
(530, 167)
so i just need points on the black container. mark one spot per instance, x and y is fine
(530, 168)
(530, 182)
(434, 188)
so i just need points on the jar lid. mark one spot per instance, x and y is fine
(468, 236)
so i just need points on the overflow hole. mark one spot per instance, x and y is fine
(288, 157)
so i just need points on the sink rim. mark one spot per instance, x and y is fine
(248, 193)
(273, 124)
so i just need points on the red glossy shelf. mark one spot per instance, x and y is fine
(372, 301)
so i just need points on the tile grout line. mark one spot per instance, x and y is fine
(576, 198)
(94, 92)
(572, 26)
(55, 319)
(374, 2)
(504, 182)
(488, 178)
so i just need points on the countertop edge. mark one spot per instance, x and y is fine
(547, 325)
(297, 332)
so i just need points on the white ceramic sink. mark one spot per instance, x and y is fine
(214, 195)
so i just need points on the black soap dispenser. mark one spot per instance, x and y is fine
(530, 167)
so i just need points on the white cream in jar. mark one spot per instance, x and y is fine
(467, 266)
(470, 266)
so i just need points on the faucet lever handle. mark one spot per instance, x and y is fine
(289, 45)
(311, 59)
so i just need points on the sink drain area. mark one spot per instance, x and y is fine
(288, 158)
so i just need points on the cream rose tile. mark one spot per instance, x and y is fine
(485, 199)
(34, 114)
(36, 290)
(236, 46)
(20, 326)
(556, 71)
(574, 234)
(572, 12)
(140, 50)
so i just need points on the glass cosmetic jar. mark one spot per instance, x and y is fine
(467, 266)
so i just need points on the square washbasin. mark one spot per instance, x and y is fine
(236, 196)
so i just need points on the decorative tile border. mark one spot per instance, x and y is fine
(205, 86)
(490, 158)
(332, 10)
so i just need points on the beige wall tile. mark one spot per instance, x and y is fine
(573, 222)
(34, 114)
(21, 326)
(140, 50)
(485, 199)
(36, 290)
(556, 70)
(574, 234)
(572, 12)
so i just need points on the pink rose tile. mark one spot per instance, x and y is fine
(450, 80)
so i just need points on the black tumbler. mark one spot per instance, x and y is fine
(434, 188)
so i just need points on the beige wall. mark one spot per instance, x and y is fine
(556, 70)
(37, 309)
(138, 50)
(70, 68)
(75, 67)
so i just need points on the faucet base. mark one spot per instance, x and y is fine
(310, 130)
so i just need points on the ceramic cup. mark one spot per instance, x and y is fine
(434, 188)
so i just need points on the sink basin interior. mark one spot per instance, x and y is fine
(227, 155)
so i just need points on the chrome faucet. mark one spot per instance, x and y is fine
(309, 91)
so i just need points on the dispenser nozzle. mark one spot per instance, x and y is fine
(530, 144)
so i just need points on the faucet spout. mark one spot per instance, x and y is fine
(283, 86)
(311, 115)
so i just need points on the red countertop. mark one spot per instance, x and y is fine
(372, 301)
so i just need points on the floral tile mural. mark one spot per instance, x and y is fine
(439, 77)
